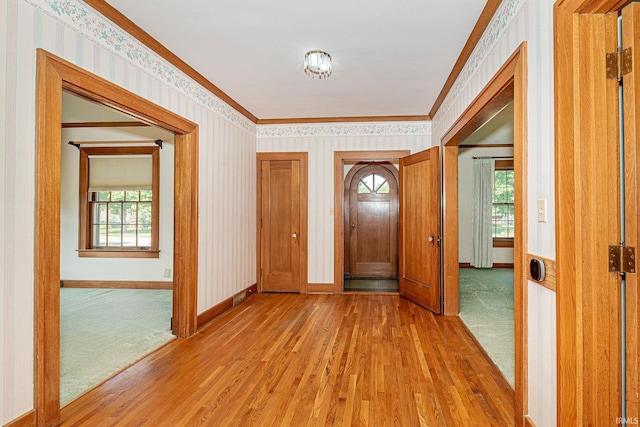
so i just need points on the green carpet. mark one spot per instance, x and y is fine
(103, 331)
(486, 307)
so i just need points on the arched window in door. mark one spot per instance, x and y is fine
(373, 183)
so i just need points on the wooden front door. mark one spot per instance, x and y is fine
(280, 235)
(373, 223)
(419, 231)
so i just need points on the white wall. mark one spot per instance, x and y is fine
(321, 141)
(517, 21)
(465, 204)
(73, 31)
(73, 267)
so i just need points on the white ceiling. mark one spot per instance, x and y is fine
(391, 58)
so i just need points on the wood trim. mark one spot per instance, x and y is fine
(26, 420)
(502, 242)
(339, 157)
(53, 75)
(549, 281)
(355, 119)
(112, 253)
(102, 124)
(586, 213)
(143, 37)
(528, 422)
(302, 157)
(495, 265)
(320, 288)
(476, 34)
(115, 284)
(509, 83)
(462, 146)
(221, 307)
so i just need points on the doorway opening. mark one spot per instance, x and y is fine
(344, 163)
(486, 253)
(54, 75)
(508, 85)
(371, 232)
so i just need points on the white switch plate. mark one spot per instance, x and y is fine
(330, 211)
(542, 210)
(167, 273)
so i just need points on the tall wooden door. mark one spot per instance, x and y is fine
(280, 225)
(631, 108)
(419, 231)
(373, 223)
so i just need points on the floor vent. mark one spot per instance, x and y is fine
(238, 298)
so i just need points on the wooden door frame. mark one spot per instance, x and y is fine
(302, 157)
(510, 82)
(53, 75)
(339, 157)
(347, 210)
(579, 76)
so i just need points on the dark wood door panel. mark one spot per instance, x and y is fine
(373, 223)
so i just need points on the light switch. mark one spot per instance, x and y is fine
(330, 211)
(542, 210)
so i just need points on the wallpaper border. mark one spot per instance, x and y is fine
(507, 11)
(80, 17)
(345, 129)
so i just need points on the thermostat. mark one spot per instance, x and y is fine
(536, 268)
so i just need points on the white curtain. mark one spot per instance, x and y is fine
(481, 224)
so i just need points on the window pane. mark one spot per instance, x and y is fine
(144, 236)
(130, 213)
(102, 196)
(379, 181)
(384, 188)
(363, 188)
(146, 195)
(115, 213)
(129, 235)
(114, 238)
(99, 232)
(117, 196)
(132, 196)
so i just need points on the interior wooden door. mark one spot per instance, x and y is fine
(373, 223)
(419, 231)
(631, 107)
(280, 222)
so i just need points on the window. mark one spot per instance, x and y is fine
(503, 209)
(373, 183)
(119, 202)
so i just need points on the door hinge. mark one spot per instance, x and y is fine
(619, 63)
(622, 259)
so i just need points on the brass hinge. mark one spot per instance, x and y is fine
(622, 259)
(619, 63)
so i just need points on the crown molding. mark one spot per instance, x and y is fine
(416, 128)
(356, 119)
(96, 27)
(491, 27)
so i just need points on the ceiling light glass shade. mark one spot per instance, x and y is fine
(318, 63)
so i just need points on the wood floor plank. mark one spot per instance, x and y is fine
(295, 360)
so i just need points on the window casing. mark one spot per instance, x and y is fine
(503, 218)
(119, 222)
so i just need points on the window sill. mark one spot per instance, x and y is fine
(503, 242)
(118, 253)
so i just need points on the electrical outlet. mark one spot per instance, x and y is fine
(167, 273)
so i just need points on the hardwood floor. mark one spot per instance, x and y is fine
(293, 360)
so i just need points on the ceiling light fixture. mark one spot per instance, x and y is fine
(318, 63)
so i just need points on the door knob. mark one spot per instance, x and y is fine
(431, 239)
(353, 225)
(294, 235)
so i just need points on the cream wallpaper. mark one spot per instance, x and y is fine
(515, 22)
(228, 143)
(71, 30)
